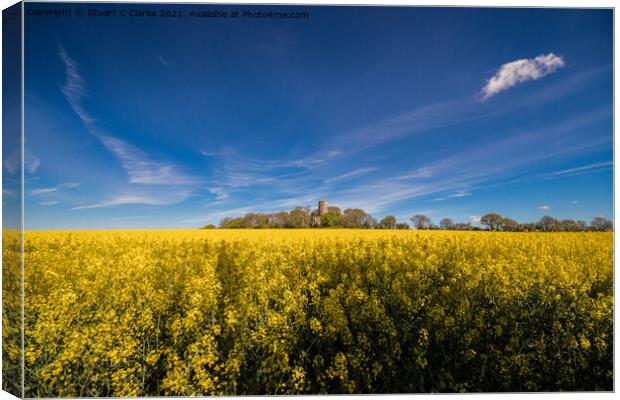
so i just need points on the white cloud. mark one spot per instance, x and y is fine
(519, 71)
(544, 208)
(453, 113)
(474, 219)
(48, 203)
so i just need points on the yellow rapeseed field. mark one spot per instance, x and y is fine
(201, 312)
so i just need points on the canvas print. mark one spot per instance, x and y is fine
(207, 199)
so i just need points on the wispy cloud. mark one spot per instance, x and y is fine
(73, 88)
(12, 163)
(594, 167)
(237, 172)
(519, 71)
(422, 119)
(48, 203)
(220, 194)
(31, 162)
(44, 191)
(470, 165)
(422, 172)
(454, 112)
(460, 193)
(137, 199)
(521, 148)
(60, 187)
(163, 61)
(207, 153)
(457, 194)
(544, 208)
(575, 202)
(140, 168)
(286, 203)
(476, 166)
(351, 174)
(291, 178)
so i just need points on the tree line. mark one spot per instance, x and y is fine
(305, 217)
(495, 222)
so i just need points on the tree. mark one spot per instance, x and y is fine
(298, 218)
(529, 227)
(510, 225)
(421, 221)
(402, 226)
(232, 223)
(279, 219)
(256, 220)
(302, 217)
(549, 224)
(210, 226)
(569, 225)
(330, 220)
(314, 217)
(356, 218)
(446, 223)
(334, 210)
(492, 220)
(388, 222)
(602, 224)
(462, 226)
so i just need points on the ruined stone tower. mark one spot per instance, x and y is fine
(323, 209)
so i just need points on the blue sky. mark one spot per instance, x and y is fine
(164, 123)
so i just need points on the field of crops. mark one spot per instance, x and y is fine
(130, 313)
